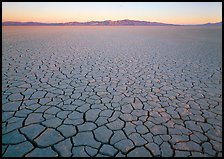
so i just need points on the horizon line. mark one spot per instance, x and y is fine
(105, 21)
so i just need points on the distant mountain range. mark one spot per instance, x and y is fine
(125, 22)
(212, 24)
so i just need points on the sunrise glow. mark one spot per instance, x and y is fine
(175, 13)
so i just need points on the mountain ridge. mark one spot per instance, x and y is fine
(125, 22)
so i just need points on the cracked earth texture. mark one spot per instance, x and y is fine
(111, 91)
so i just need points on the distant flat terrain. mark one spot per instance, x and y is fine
(112, 91)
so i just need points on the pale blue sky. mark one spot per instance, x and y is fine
(168, 12)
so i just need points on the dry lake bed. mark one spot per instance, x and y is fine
(112, 91)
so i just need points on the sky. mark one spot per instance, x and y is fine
(166, 12)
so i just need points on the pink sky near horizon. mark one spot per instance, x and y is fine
(166, 12)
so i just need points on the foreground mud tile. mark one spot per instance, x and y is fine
(18, 150)
(188, 146)
(91, 151)
(159, 129)
(32, 131)
(64, 148)
(11, 106)
(85, 138)
(34, 118)
(137, 139)
(139, 152)
(48, 137)
(42, 152)
(108, 150)
(116, 125)
(153, 148)
(124, 145)
(166, 149)
(92, 114)
(103, 134)
(79, 152)
(13, 137)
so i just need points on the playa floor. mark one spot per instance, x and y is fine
(112, 91)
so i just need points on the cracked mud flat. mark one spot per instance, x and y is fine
(111, 91)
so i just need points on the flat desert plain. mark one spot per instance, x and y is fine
(112, 91)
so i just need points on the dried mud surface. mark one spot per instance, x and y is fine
(112, 91)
